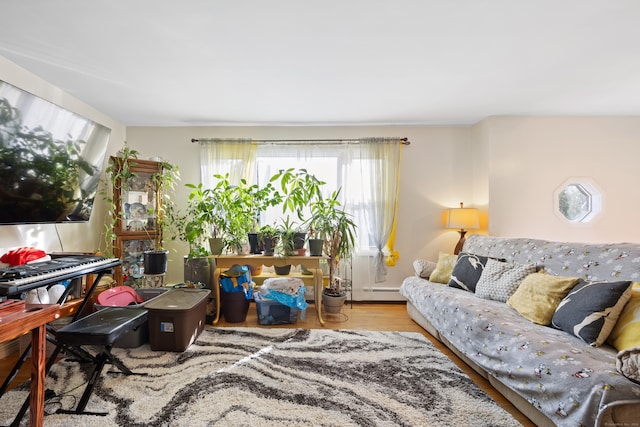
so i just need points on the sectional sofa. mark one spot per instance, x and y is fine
(553, 326)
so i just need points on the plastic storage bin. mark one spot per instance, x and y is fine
(271, 312)
(140, 335)
(176, 318)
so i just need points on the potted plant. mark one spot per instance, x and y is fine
(256, 200)
(287, 230)
(155, 261)
(338, 231)
(268, 237)
(285, 245)
(299, 188)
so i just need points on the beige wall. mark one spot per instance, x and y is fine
(530, 157)
(72, 237)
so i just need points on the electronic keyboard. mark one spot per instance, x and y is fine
(22, 278)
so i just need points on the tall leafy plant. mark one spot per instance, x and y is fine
(223, 211)
(337, 229)
(299, 188)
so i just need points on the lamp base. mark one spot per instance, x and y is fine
(458, 248)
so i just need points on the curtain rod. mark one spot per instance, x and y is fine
(405, 140)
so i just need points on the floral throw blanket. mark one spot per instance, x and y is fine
(566, 379)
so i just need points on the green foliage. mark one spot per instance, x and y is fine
(336, 227)
(286, 233)
(230, 212)
(117, 175)
(225, 211)
(258, 199)
(299, 188)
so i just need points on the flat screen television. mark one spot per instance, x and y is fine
(51, 160)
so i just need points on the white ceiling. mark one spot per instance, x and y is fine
(331, 62)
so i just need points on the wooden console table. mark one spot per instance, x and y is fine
(34, 318)
(311, 263)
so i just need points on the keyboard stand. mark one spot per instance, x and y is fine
(99, 271)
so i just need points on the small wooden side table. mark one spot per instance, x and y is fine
(311, 263)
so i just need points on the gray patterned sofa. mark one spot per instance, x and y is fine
(552, 376)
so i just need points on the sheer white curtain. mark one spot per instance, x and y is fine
(237, 157)
(373, 192)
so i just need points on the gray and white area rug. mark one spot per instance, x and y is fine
(275, 377)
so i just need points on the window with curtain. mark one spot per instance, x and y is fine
(366, 171)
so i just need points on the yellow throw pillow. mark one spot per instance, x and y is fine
(539, 294)
(444, 267)
(626, 333)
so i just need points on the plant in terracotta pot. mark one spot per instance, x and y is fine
(338, 231)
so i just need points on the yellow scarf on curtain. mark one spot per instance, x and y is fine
(393, 254)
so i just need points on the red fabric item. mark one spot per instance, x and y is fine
(22, 256)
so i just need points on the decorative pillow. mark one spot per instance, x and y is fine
(467, 271)
(628, 363)
(626, 332)
(423, 268)
(444, 267)
(539, 295)
(499, 280)
(591, 309)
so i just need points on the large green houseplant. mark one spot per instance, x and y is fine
(257, 200)
(337, 229)
(223, 212)
(299, 189)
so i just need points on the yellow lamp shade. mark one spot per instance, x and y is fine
(463, 218)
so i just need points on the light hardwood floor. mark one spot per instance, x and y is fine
(366, 316)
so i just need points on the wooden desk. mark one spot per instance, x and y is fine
(311, 263)
(34, 318)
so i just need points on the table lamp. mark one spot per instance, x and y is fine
(463, 218)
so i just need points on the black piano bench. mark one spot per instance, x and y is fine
(99, 329)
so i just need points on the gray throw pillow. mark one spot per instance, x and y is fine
(591, 310)
(467, 271)
(500, 280)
